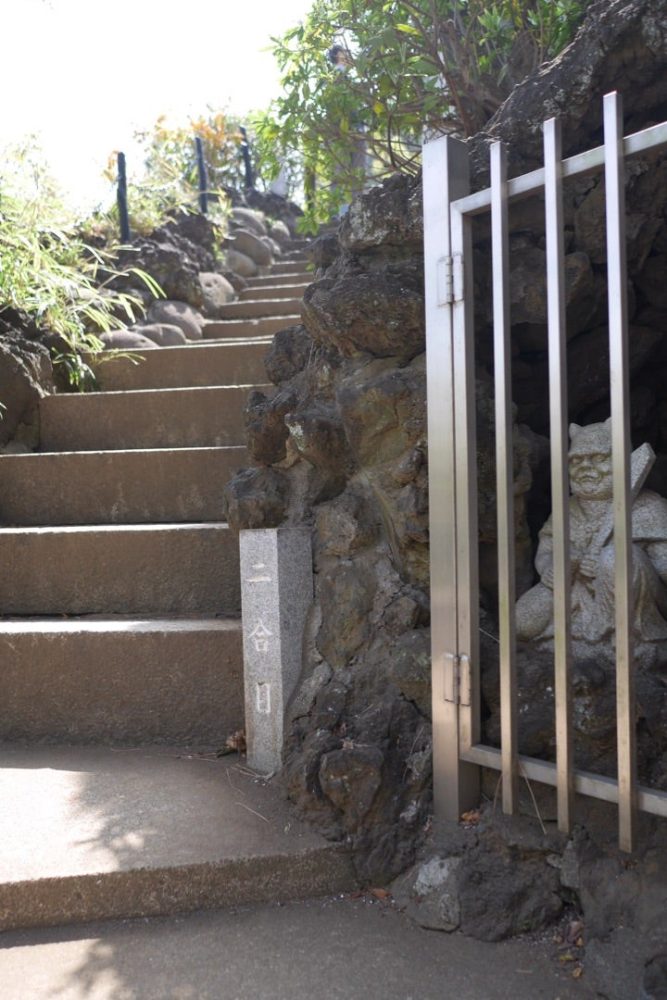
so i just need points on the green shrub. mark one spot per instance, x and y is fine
(49, 275)
(410, 63)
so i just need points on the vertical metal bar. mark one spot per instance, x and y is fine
(121, 199)
(560, 505)
(445, 177)
(560, 501)
(202, 175)
(247, 164)
(465, 420)
(621, 447)
(502, 352)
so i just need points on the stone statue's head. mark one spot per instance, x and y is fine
(590, 461)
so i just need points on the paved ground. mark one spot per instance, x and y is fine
(334, 949)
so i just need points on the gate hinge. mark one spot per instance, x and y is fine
(457, 678)
(450, 279)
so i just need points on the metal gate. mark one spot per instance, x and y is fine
(448, 213)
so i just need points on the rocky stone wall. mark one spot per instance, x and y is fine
(340, 444)
(493, 877)
(200, 266)
(26, 375)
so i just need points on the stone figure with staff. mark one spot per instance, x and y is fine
(592, 556)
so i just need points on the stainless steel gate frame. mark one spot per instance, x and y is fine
(448, 212)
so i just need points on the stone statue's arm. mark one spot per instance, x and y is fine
(544, 559)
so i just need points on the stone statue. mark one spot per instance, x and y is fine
(592, 556)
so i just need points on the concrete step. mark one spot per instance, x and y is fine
(297, 243)
(93, 834)
(144, 418)
(224, 328)
(125, 570)
(234, 362)
(285, 277)
(294, 291)
(300, 266)
(253, 308)
(121, 681)
(295, 251)
(116, 487)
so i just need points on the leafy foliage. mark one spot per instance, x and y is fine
(49, 275)
(406, 64)
(167, 180)
(171, 150)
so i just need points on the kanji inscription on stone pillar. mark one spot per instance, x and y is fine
(276, 591)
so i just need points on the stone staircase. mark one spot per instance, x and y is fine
(121, 647)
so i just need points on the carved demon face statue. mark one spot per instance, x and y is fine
(590, 461)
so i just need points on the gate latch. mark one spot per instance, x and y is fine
(457, 678)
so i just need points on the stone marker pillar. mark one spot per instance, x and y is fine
(276, 593)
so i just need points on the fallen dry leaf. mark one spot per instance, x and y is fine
(236, 743)
(472, 816)
(578, 972)
(380, 893)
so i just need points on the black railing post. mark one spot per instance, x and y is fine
(121, 197)
(245, 153)
(203, 179)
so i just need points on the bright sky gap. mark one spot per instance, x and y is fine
(82, 76)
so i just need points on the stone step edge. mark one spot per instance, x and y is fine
(163, 890)
(300, 281)
(123, 451)
(302, 274)
(50, 625)
(247, 309)
(105, 357)
(296, 293)
(282, 276)
(220, 340)
(136, 392)
(264, 302)
(252, 320)
(154, 526)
